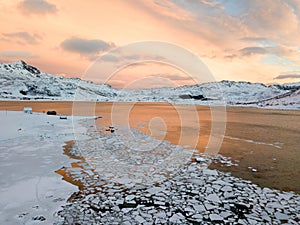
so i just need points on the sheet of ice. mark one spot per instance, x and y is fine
(277, 145)
(130, 156)
(30, 153)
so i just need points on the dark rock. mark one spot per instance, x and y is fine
(29, 68)
(23, 92)
(40, 218)
(241, 208)
(196, 97)
(51, 113)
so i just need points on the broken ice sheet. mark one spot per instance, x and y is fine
(130, 156)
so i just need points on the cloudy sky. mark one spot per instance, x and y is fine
(251, 40)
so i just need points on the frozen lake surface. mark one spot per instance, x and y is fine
(112, 189)
(30, 153)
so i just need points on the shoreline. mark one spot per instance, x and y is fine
(193, 194)
(32, 150)
(258, 125)
(140, 102)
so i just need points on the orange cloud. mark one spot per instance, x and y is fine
(40, 7)
(236, 41)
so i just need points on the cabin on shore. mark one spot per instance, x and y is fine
(63, 117)
(27, 110)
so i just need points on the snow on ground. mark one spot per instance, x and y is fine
(20, 81)
(191, 194)
(31, 150)
(290, 100)
(30, 153)
(196, 195)
(31, 193)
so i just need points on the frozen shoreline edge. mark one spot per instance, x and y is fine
(241, 105)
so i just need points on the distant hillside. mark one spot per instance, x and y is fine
(21, 81)
(289, 100)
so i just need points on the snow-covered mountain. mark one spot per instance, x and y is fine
(289, 100)
(21, 81)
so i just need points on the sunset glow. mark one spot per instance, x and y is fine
(249, 40)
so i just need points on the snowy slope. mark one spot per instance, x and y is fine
(21, 81)
(290, 100)
(229, 91)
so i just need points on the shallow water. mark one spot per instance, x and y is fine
(266, 140)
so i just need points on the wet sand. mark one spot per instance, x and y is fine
(62, 171)
(267, 140)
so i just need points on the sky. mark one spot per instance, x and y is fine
(241, 40)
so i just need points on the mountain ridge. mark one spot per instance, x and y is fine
(21, 81)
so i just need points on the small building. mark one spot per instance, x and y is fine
(27, 110)
(63, 117)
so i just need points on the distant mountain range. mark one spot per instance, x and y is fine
(21, 81)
